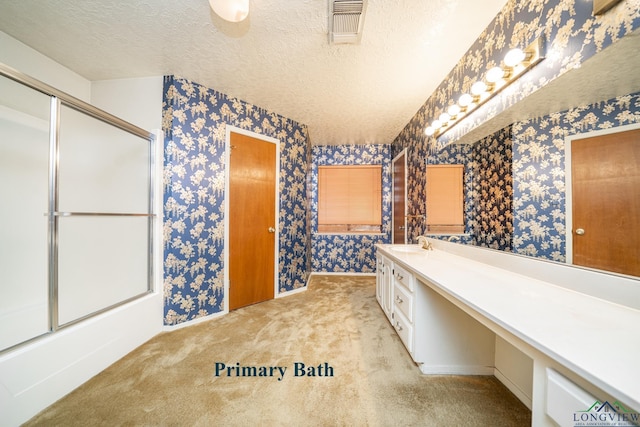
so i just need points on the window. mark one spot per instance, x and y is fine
(445, 212)
(350, 198)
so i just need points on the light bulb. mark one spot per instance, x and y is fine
(230, 10)
(465, 100)
(453, 110)
(478, 88)
(514, 57)
(495, 74)
(429, 131)
(444, 117)
(436, 124)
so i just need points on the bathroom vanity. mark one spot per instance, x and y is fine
(560, 338)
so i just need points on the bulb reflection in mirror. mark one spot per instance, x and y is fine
(465, 100)
(479, 88)
(453, 110)
(495, 74)
(514, 57)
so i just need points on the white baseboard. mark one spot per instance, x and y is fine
(456, 370)
(339, 273)
(188, 323)
(513, 388)
(291, 292)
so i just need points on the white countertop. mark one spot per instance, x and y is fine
(596, 339)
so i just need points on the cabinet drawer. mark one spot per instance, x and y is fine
(403, 301)
(404, 330)
(403, 276)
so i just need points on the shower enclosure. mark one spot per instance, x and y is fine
(76, 215)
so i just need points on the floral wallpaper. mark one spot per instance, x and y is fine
(350, 253)
(539, 170)
(488, 188)
(194, 122)
(571, 34)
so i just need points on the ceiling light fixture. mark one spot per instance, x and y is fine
(515, 63)
(230, 10)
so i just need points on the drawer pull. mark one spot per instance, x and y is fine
(398, 326)
(399, 300)
(400, 276)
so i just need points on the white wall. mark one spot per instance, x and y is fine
(136, 100)
(37, 374)
(21, 57)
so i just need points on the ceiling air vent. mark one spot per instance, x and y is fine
(346, 19)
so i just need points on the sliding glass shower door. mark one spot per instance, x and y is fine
(24, 171)
(76, 221)
(102, 212)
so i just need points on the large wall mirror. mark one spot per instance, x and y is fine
(521, 172)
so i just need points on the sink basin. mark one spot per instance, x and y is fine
(406, 248)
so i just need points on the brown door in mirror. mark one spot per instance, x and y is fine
(252, 208)
(605, 175)
(399, 199)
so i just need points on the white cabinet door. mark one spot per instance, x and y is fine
(387, 280)
(384, 284)
(379, 264)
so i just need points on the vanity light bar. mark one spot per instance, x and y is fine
(515, 63)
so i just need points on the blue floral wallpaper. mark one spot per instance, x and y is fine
(194, 122)
(349, 253)
(488, 188)
(539, 171)
(572, 35)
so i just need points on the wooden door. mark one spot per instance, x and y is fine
(605, 175)
(399, 198)
(252, 220)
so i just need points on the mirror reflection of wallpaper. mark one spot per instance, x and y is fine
(488, 188)
(194, 122)
(350, 253)
(539, 169)
(572, 35)
(526, 213)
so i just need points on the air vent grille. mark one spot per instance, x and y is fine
(347, 6)
(346, 18)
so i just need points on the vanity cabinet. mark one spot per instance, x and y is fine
(384, 285)
(396, 294)
(403, 310)
(465, 311)
(432, 330)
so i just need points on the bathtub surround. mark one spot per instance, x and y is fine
(171, 379)
(194, 123)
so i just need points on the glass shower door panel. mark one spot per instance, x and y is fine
(101, 262)
(103, 251)
(102, 168)
(24, 164)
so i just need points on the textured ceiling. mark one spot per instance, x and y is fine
(278, 59)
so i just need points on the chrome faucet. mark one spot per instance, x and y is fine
(424, 243)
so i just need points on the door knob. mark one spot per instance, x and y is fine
(272, 230)
(579, 231)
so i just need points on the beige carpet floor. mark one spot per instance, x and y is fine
(171, 380)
